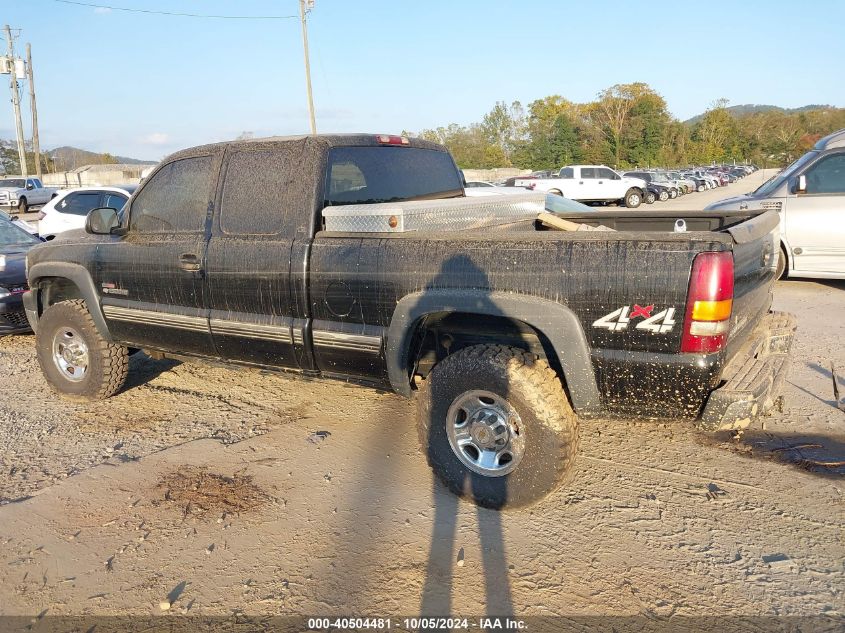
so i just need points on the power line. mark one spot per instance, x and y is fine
(181, 15)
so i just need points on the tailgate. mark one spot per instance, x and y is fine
(755, 259)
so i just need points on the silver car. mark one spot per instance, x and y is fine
(810, 196)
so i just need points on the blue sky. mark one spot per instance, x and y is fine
(145, 85)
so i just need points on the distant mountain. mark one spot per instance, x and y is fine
(752, 108)
(67, 158)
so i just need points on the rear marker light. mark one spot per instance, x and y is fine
(709, 303)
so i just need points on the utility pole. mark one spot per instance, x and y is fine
(36, 144)
(16, 101)
(304, 7)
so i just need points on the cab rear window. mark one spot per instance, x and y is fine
(369, 175)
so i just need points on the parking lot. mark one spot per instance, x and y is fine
(215, 491)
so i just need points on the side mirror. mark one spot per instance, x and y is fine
(30, 186)
(102, 221)
(802, 184)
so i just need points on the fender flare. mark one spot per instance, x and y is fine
(555, 321)
(81, 278)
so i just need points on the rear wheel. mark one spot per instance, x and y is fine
(700, 188)
(496, 426)
(673, 193)
(633, 199)
(77, 361)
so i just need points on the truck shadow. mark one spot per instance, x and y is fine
(822, 455)
(143, 369)
(437, 592)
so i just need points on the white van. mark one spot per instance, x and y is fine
(810, 196)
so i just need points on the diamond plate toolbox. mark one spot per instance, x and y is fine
(433, 215)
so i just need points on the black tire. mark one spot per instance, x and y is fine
(650, 198)
(664, 195)
(780, 271)
(107, 363)
(700, 188)
(673, 193)
(633, 198)
(23, 207)
(549, 428)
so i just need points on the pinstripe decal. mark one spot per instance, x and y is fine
(352, 342)
(162, 319)
(280, 333)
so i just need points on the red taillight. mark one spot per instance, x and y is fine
(709, 303)
(390, 139)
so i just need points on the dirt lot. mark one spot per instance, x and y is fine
(209, 491)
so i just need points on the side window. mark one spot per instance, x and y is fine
(566, 172)
(79, 203)
(114, 201)
(256, 194)
(174, 199)
(37, 182)
(827, 175)
(607, 174)
(588, 172)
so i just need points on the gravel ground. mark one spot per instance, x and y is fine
(315, 500)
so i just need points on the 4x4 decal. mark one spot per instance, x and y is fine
(619, 319)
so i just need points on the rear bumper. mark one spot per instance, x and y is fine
(754, 377)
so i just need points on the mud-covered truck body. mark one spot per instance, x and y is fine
(357, 257)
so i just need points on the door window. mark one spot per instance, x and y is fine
(607, 174)
(588, 172)
(566, 172)
(827, 175)
(114, 201)
(255, 194)
(79, 203)
(175, 199)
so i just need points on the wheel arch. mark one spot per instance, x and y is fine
(51, 282)
(553, 322)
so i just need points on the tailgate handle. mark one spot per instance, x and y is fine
(189, 261)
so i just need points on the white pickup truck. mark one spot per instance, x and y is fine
(590, 183)
(21, 193)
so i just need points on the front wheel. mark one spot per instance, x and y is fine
(650, 198)
(673, 193)
(664, 195)
(781, 267)
(700, 188)
(496, 426)
(633, 199)
(77, 361)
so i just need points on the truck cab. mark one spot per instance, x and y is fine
(809, 195)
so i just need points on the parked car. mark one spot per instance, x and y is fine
(591, 183)
(22, 193)
(809, 197)
(508, 332)
(15, 242)
(661, 187)
(68, 210)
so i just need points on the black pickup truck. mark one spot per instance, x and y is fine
(506, 334)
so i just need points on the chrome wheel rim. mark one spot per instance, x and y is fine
(485, 433)
(634, 200)
(70, 354)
